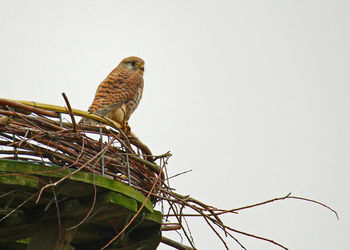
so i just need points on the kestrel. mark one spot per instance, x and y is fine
(119, 94)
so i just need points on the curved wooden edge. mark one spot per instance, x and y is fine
(12, 166)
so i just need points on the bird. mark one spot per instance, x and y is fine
(119, 94)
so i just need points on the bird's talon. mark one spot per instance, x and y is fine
(125, 128)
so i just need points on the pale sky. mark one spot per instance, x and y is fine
(253, 96)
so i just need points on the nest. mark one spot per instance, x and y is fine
(50, 134)
(33, 134)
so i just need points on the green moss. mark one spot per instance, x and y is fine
(81, 176)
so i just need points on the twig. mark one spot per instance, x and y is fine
(90, 211)
(75, 127)
(184, 172)
(314, 201)
(175, 244)
(29, 108)
(216, 232)
(15, 209)
(288, 196)
(170, 227)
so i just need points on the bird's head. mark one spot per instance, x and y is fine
(133, 63)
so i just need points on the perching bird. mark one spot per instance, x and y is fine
(119, 94)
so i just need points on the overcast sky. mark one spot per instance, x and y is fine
(253, 96)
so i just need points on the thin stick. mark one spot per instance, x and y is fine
(15, 209)
(222, 240)
(184, 172)
(288, 196)
(170, 227)
(175, 244)
(29, 108)
(75, 128)
(90, 211)
(317, 202)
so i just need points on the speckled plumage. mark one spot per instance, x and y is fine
(119, 94)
